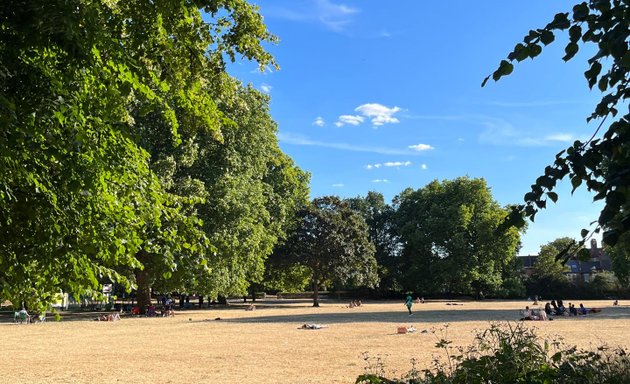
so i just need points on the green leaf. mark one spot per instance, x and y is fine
(547, 37)
(575, 182)
(610, 237)
(505, 68)
(592, 73)
(571, 49)
(553, 196)
(584, 232)
(575, 33)
(534, 50)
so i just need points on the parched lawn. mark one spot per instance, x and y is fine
(266, 346)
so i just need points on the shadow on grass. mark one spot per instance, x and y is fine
(363, 315)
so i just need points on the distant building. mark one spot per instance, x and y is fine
(580, 272)
(528, 264)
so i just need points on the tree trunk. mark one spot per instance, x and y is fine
(200, 301)
(144, 290)
(315, 292)
(222, 300)
(253, 290)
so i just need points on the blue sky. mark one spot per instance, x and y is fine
(374, 97)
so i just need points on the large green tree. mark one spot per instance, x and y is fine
(449, 242)
(548, 278)
(379, 217)
(79, 198)
(253, 191)
(601, 162)
(331, 240)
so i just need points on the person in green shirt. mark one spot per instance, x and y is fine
(408, 304)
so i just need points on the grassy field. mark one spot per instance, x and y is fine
(265, 345)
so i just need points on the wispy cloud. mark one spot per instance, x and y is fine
(319, 121)
(502, 132)
(380, 181)
(563, 137)
(300, 140)
(338, 185)
(264, 71)
(531, 104)
(499, 131)
(424, 167)
(421, 147)
(334, 16)
(388, 164)
(349, 119)
(378, 113)
(266, 88)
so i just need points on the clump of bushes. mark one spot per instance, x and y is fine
(513, 353)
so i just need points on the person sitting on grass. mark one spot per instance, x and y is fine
(528, 314)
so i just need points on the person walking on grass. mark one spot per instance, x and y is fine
(408, 304)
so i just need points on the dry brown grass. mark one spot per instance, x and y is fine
(266, 346)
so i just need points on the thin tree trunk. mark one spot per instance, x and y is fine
(315, 291)
(253, 290)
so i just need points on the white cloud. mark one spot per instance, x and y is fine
(319, 121)
(266, 88)
(424, 167)
(338, 185)
(397, 164)
(380, 181)
(378, 113)
(388, 164)
(421, 147)
(349, 119)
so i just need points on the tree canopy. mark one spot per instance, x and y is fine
(601, 163)
(449, 244)
(102, 104)
(331, 240)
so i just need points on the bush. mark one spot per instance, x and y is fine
(508, 353)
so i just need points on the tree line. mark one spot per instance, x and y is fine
(128, 154)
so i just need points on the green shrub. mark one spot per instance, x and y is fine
(508, 353)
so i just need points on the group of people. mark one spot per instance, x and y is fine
(109, 317)
(556, 308)
(167, 307)
(355, 303)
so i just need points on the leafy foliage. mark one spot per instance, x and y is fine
(511, 353)
(84, 86)
(620, 256)
(602, 163)
(448, 234)
(379, 217)
(331, 240)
